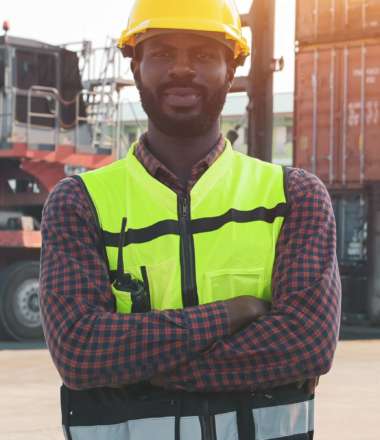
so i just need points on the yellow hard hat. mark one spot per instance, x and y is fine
(218, 17)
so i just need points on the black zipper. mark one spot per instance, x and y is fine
(188, 278)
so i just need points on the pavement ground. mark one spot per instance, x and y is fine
(347, 398)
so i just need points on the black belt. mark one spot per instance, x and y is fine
(105, 406)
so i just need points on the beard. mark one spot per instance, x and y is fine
(184, 126)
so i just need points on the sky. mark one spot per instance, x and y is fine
(74, 20)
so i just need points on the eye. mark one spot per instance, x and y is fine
(162, 53)
(205, 56)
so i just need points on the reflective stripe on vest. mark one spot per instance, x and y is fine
(285, 414)
(225, 230)
(280, 424)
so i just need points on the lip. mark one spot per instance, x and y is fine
(184, 97)
(182, 91)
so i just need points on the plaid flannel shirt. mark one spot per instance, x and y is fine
(92, 346)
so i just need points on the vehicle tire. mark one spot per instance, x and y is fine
(19, 302)
(4, 335)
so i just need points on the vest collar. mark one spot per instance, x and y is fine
(208, 180)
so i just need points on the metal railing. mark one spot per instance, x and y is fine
(5, 114)
(103, 124)
(51, 94)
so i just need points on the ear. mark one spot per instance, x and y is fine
(135, 66)
(231, 66)
(231, 70)
(135, 69)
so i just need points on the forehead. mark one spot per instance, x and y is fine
(183, 41)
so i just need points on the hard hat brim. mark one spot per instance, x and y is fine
(151, 33)
(222, 33)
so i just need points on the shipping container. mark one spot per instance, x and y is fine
(373, 246)
(357, 214)
(336, 20)
(337, 112)
(351, 214)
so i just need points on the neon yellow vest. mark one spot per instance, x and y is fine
(217, 243)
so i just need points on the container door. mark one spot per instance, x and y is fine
(304, 109)
(316, 105)
(326, 20)
(353, 17)
(372, 118)
(353, 111)
(360, 152)
(351, 213)
(372, 17)
(316, 20)
(374, 253)
(306, 30)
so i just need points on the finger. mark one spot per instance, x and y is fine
(311, 385)
(157, 381)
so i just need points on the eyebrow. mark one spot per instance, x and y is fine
(170, 46)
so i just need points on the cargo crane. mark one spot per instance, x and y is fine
(58, 116)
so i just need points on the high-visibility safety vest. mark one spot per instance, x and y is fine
(214, 244)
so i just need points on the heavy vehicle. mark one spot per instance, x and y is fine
(58, 116)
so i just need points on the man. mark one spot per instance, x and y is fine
(187, 291)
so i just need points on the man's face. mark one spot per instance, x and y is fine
(183, 81)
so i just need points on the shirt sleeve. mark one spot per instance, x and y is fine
(297, 339)
(92, 345)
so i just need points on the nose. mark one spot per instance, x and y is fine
(182, 67)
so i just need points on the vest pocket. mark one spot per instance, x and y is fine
(224, 284)
(165, 284)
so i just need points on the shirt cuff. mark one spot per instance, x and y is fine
(206, 324)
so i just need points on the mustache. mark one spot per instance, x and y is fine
(202, 90)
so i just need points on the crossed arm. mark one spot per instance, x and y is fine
(200, 348)
(296, 339)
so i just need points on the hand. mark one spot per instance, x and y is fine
(163, 381)
(310, 385)
(158, 381)
(243, 310)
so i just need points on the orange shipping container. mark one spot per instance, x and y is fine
(337, 112)
(336, 20)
